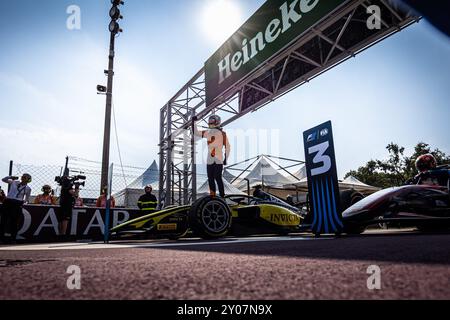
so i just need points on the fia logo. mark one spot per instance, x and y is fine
(312, 137)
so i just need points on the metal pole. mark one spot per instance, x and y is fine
(162, 153)
(168, 200)
(179, 190)
(66, 168)
(10, 172)
(108, 205)
(107, 132)
(193, 164)
(172, 188)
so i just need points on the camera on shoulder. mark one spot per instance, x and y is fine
(68, 182)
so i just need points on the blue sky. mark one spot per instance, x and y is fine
(397, 91)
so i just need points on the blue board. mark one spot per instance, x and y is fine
(323, 183)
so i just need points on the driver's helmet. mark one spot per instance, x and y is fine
(214, 122)
(426, 162)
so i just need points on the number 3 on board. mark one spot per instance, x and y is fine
(320, 158)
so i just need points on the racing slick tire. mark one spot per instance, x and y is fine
(349, 198)
(210, 218)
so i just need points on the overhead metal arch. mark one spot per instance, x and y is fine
(336, 38)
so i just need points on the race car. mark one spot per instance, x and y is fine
(424, 206)
(213, 217)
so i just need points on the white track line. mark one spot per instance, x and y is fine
(98, 246)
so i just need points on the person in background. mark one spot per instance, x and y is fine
(2, 195)
(101, 201)
(78, 200)
(19, 194)
(148, 201)
(217, 141)
(259, 193)
(430, 173)
(46, 198)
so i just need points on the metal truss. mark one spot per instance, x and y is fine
(336, 38)
(243, 167)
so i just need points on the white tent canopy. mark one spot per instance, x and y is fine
(301, 174)
(353, 183)
(347, 184)
(264, 173)
(129, 196)
(228, 176)
(229, 189)
(149, 177)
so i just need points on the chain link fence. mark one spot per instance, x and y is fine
(128, 182)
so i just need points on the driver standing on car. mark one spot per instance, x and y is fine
(217, 140)
(430, 173)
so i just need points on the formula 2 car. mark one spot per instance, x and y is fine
(213, 217)
(424, 206)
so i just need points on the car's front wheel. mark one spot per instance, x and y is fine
(210, 218)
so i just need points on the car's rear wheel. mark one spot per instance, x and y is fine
(210, 218)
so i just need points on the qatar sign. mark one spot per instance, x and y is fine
(271, 29)
(40, 223)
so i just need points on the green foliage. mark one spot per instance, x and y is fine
(396, 169)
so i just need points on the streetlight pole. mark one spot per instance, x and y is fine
(114, 29)
(107, 132)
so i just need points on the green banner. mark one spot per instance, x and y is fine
(274, 26)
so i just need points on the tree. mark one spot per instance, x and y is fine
(397, 168)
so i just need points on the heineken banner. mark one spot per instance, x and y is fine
(40, 223)
(271, 29)
(322, 180)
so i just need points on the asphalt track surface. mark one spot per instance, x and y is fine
(413, 266)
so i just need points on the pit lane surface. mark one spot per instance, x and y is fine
(413, 266)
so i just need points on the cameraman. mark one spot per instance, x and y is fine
(66, 202)
(19, 193)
